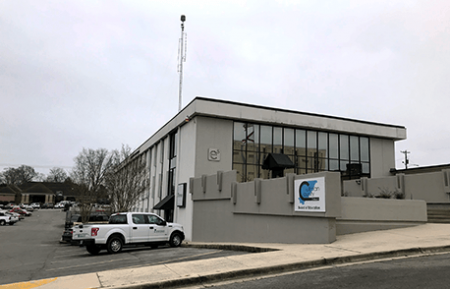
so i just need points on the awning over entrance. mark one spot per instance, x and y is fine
(277, 161)
(166, 204)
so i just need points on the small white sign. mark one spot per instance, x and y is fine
(213, 155)
(309, 195)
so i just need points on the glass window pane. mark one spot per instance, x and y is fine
(252, 137)
(239, 156)
(323, 144)
(343, 147)
(240, 171)
(333, 149)
(354, 148)
(252, 173)
(266, 139)
(334, 165)
(265, 174)
(239, 136)
(365, 168)
(277, 139)
(289, 148)
(364, 141)
(301, 171)
(301, 162)
(343, 166)
(289, 171)
(323, 164)
(254, 158)
(312, 142)
(300, 142)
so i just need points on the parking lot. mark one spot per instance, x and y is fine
(30, 250)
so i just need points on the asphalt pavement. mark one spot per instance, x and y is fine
(271, 258)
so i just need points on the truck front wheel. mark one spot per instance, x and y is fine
(175, 240)
(114, 245)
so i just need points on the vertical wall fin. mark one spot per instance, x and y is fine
(257, 183)
(400, 183)
(234, 192)
(446, 180)
(191, 185)
(364, 190)
(290, 187)
(219, 180)
(204, 178)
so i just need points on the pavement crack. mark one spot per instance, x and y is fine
(99, 280)
(342, 249)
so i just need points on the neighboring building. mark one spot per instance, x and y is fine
(9, 194)
(420, 170)
(211, 135)
(37, 192)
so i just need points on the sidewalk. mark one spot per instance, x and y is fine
(424, 239)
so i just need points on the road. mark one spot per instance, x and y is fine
(30, 250)
(431, 272)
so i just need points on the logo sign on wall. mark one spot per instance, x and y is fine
(309, 195)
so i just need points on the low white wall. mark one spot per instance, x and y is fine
(368, 214)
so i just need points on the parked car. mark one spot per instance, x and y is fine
(5, 219)
(47, 206)
(10, 206)
(35, 205)
(20, 211)
(28, 208)
(14, 216)
(132, 228)
(59, 205)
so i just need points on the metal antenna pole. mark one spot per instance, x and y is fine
(182, 58)
(406, 162)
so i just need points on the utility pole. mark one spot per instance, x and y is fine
(181, 59)
(406, 161)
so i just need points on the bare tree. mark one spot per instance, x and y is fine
(18, 176)
(127, 181)
(88, 175)
(57, 175)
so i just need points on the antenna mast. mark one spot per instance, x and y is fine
(406, 162)
(181, 59)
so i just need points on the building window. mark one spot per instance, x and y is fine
(311, 151)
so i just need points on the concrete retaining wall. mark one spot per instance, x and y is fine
(368, 214)
(262, 211)
(430, 187)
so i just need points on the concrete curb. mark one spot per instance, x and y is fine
(280, 268)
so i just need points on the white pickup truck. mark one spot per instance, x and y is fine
(132, 228)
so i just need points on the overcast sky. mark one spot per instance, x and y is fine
(99, 74)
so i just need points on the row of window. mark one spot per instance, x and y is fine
(309, 150)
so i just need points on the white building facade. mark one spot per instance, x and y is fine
(211, 135)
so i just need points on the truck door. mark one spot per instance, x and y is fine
(139, 229)
(158, 229)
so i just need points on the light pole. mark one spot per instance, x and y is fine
(181, 58)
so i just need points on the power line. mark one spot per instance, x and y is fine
(35, 166)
